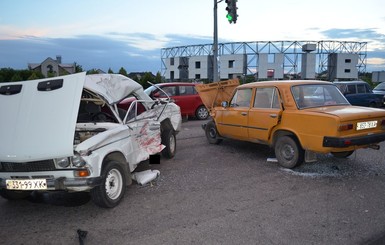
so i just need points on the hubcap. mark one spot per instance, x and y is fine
(287, 152)
(203, 113)
(114, 182)
(213, 133)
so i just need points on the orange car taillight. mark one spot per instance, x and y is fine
(344, 127)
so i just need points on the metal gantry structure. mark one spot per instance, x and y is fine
(292, 51)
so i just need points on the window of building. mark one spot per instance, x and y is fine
(172, 75)
(50, 68)
(348, 61)
(347, 70)
(231, 76)
(171, 61)
(197, 76)
(197, 65)
(231, 63)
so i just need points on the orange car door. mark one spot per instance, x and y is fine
(234, 119)
(264, 113)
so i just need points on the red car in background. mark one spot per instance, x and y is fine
(184, 95)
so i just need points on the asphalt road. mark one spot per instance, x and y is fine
(219, 194)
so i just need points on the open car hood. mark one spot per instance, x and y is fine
(213, 94)
(38, 117)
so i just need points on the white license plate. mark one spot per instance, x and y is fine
(27, 184)
(366, 125)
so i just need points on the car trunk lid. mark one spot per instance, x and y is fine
(347, 113)
(363, 119)
(213, 94)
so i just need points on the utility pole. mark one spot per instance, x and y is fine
(215, 45)
(232, 18)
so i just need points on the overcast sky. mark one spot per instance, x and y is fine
(130, 33)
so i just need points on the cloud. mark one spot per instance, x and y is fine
(375, 43)
(360, 34)
(375, 39)
(133, 51)
(144, 41)
(376, 61)
(8, 32)
(88, 51)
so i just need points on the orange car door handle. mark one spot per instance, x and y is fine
(244, 113)
(273, 115)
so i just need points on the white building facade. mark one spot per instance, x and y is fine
(330, 60)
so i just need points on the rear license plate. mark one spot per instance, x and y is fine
(366, 125)
(28, 184)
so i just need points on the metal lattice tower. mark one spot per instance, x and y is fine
(292, 51)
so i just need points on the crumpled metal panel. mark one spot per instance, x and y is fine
(144, 177)
(113, 87)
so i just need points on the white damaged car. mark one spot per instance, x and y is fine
(67, 133)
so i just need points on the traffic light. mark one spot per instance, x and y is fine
(231, 11)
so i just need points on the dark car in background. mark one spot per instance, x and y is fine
(380, 89)
(359, 93)
(182, 93)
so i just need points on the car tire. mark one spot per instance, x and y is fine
(202, 113)
(288, 151)
(14, 195)
(113, 187)
(169, 140)
(212, 133)
(342, 154)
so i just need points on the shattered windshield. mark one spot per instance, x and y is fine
(317, 95)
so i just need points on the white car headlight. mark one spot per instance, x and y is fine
(78, 161)
(62, 162)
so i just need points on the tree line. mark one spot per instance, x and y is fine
(13, 75)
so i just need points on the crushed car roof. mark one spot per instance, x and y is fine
(114, 87)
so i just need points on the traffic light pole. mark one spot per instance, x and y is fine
(215, 45)
(232, 18)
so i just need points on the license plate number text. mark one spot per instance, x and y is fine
(30, 184)
(366, 125)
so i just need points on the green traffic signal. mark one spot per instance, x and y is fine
(231, 11)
